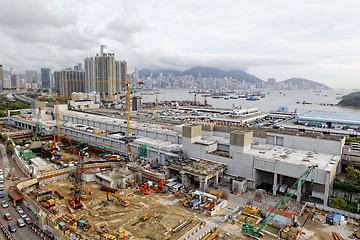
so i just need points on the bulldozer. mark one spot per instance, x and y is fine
(160, 186)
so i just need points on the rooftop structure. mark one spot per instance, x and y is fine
(330, 117)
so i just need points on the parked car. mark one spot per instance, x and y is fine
(20, 222)
(19, 209)
(1, 187)
(22, 214)
(28, 221)
(1, 195)
(7, 216)
(4, 204)
(12, 228)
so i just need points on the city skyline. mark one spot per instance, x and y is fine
(312, 40)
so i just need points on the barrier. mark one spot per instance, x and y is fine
(6, 232)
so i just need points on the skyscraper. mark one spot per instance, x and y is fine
(123, 75)
(30, 75)
(89, 66)
(1, 78)
(15, 80)
(105, 74)
(68, 81)
(46, 77)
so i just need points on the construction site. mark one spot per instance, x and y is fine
(98, 177)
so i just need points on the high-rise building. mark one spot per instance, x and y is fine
(30, 75)
(15, 80)
(46, 77)
(105, 74)
(1, 78)
(78, 67)
(89, 67)
(68, 81)
(124, 75)
(103, 49)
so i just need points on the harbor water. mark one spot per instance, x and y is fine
(300, 100)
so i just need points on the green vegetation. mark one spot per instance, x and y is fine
(352, 140)
(9, 147)
(7, 104)
(351, 100)
(339, 203)
(352, 181)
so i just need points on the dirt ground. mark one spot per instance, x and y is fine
(99, 210)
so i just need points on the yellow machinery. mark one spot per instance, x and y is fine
(121, 232)
(122, 202)
(357, 233)
(251, 210)
(216, 194)
(51, 202)
(108, 236)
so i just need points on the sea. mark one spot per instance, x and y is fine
(292, 99)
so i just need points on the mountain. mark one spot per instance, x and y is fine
(205, 72)
(217, 73)
(351, 100)
(302, 83)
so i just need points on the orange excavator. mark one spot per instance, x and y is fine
(85, 195)
(160, 186)
(144, 189)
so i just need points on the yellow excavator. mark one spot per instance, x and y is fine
(122, 202)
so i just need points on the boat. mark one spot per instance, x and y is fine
(233, 98)
(226, 98)
(251, 99)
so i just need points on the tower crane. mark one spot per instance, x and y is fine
(254, 230)
(75, 200)
(128, 131)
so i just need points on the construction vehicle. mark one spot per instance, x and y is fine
(121, 232)
(51, 202)
(218, 195)
(85, 195)
(160, 186)
(254, 231)
(108, 236)
(75, 200)
(144, 188)
(84, 225)
(122, 202)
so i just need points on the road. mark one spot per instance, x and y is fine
(24, 233)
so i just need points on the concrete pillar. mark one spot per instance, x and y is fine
(202, 185)
(275, 185)
(185, 180)
(216, 182)
(327, 186)
(298, 193)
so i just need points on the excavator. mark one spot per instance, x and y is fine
(122, 202)
(160, 186)
(84, 196)
(144, 188)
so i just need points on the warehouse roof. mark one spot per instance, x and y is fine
(333, 117)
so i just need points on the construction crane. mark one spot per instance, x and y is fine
(75, 200)
(122, 202)
(254, 230)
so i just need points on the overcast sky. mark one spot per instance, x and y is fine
(318, 40)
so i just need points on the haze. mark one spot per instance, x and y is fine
(317, 40)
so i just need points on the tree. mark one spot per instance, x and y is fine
(352, 174)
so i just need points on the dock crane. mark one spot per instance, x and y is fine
(254, 230)
(128, 131)
(75, 200)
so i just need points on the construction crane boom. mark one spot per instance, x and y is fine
(254, 230)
